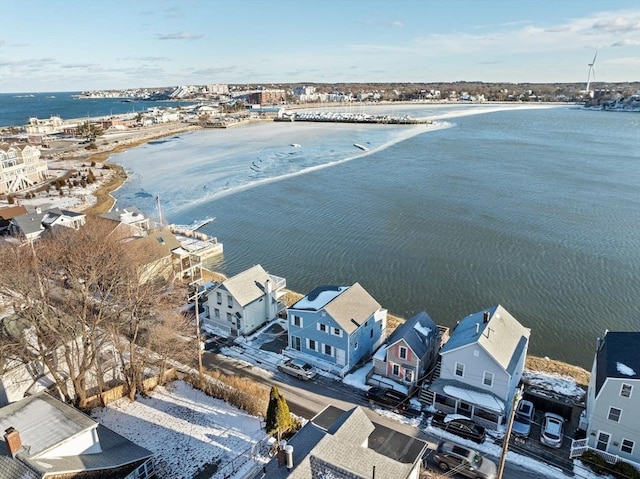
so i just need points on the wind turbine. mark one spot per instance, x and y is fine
(591, 70)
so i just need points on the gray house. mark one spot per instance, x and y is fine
(613, 399)
(410, 351)
(53, 440)
(481, 367)
(346, 444)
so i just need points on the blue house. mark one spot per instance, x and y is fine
(338, 325)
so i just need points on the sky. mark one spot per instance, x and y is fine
(79, 45)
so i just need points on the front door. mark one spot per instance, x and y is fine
(603, 441)
(340, 357)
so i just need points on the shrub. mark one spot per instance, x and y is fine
(624, 469)
(10, 200)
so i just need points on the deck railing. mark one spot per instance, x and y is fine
(580, 446)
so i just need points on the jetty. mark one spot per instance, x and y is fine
(338, 117)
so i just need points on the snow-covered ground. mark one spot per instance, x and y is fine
(188, 431)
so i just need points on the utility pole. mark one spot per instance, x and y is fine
(505, 444)
(200, 377)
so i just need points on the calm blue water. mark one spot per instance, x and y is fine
(17, 108)
(538, 210)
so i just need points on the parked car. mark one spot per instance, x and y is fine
(552, 429)
(388, 397)
(459, 425)
(523, 418)
(297, 368)
(465, 461)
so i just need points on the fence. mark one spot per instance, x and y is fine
(119, 391)
(259, 449)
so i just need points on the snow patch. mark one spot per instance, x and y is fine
(624, 369)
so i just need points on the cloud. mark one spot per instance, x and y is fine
(396, 24)
(617, 25)
(627, 42)
(180, 36)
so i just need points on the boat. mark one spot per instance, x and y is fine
(296, 145)
(362, 147)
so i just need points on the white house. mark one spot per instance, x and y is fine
(481, 367)
(53, 440)
(244, 302)
(613, 400)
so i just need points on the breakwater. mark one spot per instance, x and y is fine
(340, 117)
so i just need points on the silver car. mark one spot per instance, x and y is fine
(297, 368)
(523, 419)
(552, 430)
(462, 460)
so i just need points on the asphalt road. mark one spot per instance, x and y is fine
(307, 398)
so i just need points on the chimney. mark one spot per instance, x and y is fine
(486, 316)
(288, 449)
(38, 210)
(12, 439)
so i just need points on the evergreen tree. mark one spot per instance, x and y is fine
(278, 418)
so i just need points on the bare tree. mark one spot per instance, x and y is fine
(79, 292)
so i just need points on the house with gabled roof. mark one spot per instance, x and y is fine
(245, 302)
(613, 400)
(7, 214)
(346, 444)
(32, 225)
(339, 326)
(136, 222)
(409, 352)
(481, 366)
(54, 440)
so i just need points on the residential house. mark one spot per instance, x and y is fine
(409, 353)
(346, 444)
(7, 214)
(32, 225)
(20, 167)
(244, 302)
(339, 326)
(137, 223)
(481, 367)
(613, 399)
(54, 440)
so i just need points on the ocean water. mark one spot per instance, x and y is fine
(17, 108)
(538, 210)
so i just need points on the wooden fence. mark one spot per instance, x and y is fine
(120, 391)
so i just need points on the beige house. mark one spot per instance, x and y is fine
(20, 167)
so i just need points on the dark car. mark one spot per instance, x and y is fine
(523, 418)
(465, 461)
(459, 425)
(391, 398)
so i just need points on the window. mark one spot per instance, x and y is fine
(625, 390)
(402, 354)
(408, 376)
(460, 370)
(295, 343)
(627, 446)
(395, 370)
(230, 301)
(219, 297)
(216, 313)
(603, 441)
(296, 321)
(311, 344)
(614, 414)
(336, 332)
(229, 317)
(487, 379)
(328, 349)
(322, 327)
